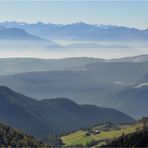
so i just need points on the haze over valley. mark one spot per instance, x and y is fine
(73, 74)
(73, 40)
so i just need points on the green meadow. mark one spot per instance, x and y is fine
(80, 138)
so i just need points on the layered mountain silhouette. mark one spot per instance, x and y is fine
(40, 118)
(13, 39)
(90, 83)
(82, 31)
(111, 83)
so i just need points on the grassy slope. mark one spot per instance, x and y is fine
(79, 138)
(76, 138)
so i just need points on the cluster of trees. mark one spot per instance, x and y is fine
(10, 137)
(136, 139)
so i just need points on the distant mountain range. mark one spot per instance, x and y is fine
(81, 31)
(77, 39)
(51, 116)
(17, 34)
(18, 39)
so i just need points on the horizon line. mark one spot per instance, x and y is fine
(70, 23)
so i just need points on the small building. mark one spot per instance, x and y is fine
(96, 132)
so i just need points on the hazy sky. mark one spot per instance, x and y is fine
(127, 13)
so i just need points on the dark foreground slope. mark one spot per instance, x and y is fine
(136, 139)
(40, 118)
(10, 137)
(21, 112)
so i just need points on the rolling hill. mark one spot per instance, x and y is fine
(20, 65)
(81, 86)
(85, 84)
(134, 59)
(48, 116)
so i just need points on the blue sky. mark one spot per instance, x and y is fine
(126, 13)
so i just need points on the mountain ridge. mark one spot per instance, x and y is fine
(48, 116)
(82, 31)
(17, 34)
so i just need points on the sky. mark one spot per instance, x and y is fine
(124, 13)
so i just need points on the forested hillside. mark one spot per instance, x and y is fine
(10, 137)
(136, 139)
(46, 117)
